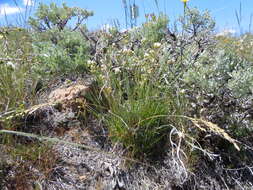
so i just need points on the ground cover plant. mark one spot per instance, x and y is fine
(181, 96)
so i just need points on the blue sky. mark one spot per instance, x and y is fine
(108, 10)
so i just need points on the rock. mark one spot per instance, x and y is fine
(68, 93)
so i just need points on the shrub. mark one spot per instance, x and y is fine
(60, 48)
(154, 29)
(68, 56)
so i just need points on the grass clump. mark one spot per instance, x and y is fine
(140, 122)
(11, 78)
(137, 103)
(17, 83)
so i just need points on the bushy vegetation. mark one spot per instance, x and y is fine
(184, 90)
(15, 63)
(59, 47)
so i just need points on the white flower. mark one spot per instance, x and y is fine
(9, 63)
(151, 51)
(117, 70)
(157, 45)
(45, 55)
(90, 62)
(103, 67)
(127, 51)
(182, 91)
(144, 39)
(146, 55)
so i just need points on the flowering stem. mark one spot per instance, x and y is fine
(184, 8)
